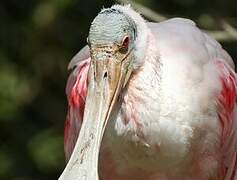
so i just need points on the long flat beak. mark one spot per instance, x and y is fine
(106, 78)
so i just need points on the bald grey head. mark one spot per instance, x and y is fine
(110, 26)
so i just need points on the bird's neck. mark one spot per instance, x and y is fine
(141, 96)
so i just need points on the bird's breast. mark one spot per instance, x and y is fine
(156, 130)
(135, 136)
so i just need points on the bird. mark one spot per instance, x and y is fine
(150, 101)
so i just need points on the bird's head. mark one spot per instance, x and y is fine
(118, 40)
(111, 40)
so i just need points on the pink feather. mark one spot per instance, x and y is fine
(227, 100)
(76, 94)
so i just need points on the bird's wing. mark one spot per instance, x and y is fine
(181, 42)
(227, 113)
(83, 54)
(76, 91)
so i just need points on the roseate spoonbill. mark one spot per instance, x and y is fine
(162, 96)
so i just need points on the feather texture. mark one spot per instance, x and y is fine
(227, 113)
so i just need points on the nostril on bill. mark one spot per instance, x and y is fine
(105, 75)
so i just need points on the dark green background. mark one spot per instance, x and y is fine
(37, 40)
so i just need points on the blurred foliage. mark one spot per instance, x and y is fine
(37, 40)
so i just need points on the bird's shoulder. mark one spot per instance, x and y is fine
(180, 38)
(79, 66)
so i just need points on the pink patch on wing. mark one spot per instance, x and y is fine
(227, 118)
(76, 92)
(227, 97)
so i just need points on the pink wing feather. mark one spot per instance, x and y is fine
(227, 113)
(76, 91)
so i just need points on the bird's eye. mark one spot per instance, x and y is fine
(125, 44)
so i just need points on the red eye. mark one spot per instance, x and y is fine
(126, 42)
(124, 48)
